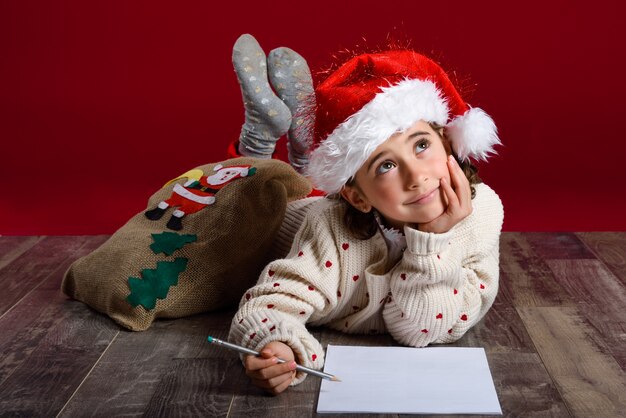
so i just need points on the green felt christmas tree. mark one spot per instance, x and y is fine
(168, 242)
(155, 283)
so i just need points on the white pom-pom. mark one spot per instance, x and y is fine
(473, 134)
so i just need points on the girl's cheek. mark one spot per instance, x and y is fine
(443, 171)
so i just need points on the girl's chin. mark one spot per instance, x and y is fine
(423, 217)
(431, 215)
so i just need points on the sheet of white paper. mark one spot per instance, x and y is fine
(433, 380)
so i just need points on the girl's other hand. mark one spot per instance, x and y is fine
(459, 197)
(266, 372)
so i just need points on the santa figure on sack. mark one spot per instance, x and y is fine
(197, 192)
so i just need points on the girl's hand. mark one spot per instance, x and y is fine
(459, 197)
(266, 372)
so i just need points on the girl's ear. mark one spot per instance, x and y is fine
(355, 197)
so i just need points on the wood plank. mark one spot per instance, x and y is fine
(500, 331)
(601, 299)
(525, 278)
(14, 246)
(558, 245)
(589, 381)
(610, 247)
(146, 364)
(34, 266)
(201, 387)
(49, 344)
(524, 386)
(28, 323)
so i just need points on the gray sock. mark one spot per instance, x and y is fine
(290, 76)
(267, 117)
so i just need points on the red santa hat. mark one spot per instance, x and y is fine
(373, 96)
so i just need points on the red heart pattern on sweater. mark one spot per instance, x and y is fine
(345, 245)
(271, 273)
(403, 276)
(276, 284)
(270, 306)
(314, 357)
(311, 288)
(300, 254)
(248, 296)
(482, 286)
(439, 316)
(355, 278)
(463, 317)
(328, 264)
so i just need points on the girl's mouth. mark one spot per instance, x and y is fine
(424, 198)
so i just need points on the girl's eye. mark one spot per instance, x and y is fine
(385, 167)
(422, 145)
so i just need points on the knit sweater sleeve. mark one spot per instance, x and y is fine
(289, 293)
(445, 283)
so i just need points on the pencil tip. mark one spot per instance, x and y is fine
(336, 379)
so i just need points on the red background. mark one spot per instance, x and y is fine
(101, 102)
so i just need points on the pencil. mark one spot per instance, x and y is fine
(254, 353)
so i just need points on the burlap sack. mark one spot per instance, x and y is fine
(215, 257)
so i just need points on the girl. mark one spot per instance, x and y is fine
(410, 242)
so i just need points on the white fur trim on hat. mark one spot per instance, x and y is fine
(394, 109)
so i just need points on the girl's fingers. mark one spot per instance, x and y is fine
(459, 181)
(271, 370)
(285, 384)
(275, 385)
(453, 200)
(257, 363)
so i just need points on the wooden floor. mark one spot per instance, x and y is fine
(555, 340)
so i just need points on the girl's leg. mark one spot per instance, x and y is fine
(290, 76)
(267, 118)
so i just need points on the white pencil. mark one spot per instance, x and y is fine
(254, 353)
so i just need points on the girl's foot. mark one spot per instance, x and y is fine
(267, 117)
(290, 76)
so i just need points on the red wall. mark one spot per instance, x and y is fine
(101, 102)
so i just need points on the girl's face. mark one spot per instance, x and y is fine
(401, 178)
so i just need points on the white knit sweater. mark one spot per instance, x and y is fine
(438, 288)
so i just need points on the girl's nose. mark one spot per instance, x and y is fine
(414, 177)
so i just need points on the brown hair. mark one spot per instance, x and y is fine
(363, 225)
